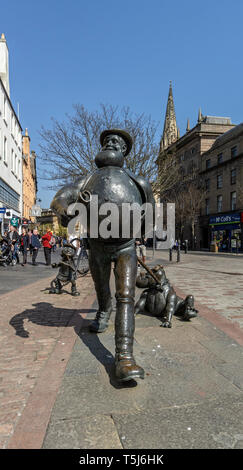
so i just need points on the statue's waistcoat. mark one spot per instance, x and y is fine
(113, 185)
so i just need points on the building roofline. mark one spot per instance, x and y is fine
(228, 136)
(195, 131)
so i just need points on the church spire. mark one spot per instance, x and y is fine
(188, 125)
(199, 115)
(170, 133)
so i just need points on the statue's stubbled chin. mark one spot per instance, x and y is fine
(109, 158)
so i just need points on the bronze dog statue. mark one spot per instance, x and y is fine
(160, 299)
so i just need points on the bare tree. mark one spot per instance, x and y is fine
(169, 178)
(70, 147)
(188, 203)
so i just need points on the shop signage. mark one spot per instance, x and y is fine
(36, 210)
(2, 210)
(14, 221)
(224, 219)
(26, 222)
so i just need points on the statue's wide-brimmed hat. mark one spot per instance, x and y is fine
(125, 136)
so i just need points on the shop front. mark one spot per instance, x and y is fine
(226, 232)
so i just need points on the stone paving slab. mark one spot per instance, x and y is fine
(209, 425)
(35, 330)
(58, 388)
(180, 375)
(96, 431)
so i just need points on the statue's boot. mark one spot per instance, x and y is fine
(58, 287)
(125, 365)
(74, 291)
(190, 311)
(101, 321)
(126, 368)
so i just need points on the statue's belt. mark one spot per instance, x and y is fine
(111, 247)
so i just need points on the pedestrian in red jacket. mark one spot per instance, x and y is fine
(46, 239)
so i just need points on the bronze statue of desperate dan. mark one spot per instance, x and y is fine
(114, 184)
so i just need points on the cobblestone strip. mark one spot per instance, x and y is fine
(231, 329)
(221, 292)
(37, 333)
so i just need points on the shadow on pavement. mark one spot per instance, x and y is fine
(45, 314)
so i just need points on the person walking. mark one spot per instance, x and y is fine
(24, 245)
(64, 240)
(141, 248)
(47, 246)
(30, 236)
(54, 243)
(35, 244)
(13, 238)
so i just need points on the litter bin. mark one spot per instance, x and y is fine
(214, 247)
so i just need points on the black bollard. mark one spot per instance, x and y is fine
(178, 253)
(170, 254)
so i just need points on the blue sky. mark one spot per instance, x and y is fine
(123, 53)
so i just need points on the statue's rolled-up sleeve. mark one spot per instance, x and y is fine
(67, 195)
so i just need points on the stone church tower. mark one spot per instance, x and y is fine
(171, 131)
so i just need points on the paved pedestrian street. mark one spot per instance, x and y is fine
(57, 384)
(215, 281)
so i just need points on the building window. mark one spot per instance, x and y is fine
(192, 150)
(233, 200)
(219, 181)
(207, 206)
(9, 196)
(191, 168)
(219, 203)
(233, 176)
(5, 150)
(4, 108)
(208, 163)
(220, 158)
(207, 184)
(12, 160)
(233, 151)
(181, 158)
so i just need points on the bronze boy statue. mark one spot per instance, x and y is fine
(67, 271)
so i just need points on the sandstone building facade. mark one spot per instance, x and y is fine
(213, 150)
(29, 178)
